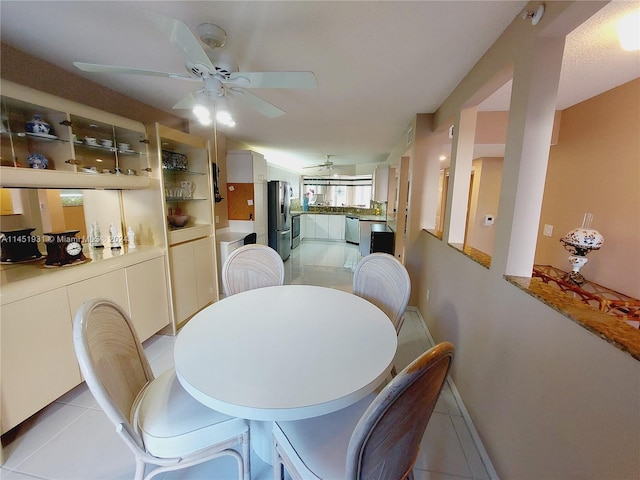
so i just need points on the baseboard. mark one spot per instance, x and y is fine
(465, 414)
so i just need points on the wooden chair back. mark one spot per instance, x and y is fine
(386, 440)
(111, 358)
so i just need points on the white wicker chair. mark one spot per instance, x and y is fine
(252, 266)
(377, 438)
(381, 279)
(158, 420)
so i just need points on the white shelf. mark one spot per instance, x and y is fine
(12, 177)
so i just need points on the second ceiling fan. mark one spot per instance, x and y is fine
(218, 72)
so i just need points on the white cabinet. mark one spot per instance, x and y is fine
(193, 278)
(323, 226)
(72, 161)
(336, 227)
(148, 301)
(38, 359)
(308, 225)
(247, 202)
(381, 184)
(245, 166)
(192, 262)
(112, 286)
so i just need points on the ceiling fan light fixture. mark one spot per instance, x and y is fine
(212, 35)
(223, 115)
(201, 109)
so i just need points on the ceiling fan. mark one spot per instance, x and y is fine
(327, 164)
(216, 69)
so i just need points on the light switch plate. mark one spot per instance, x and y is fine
(548, 230)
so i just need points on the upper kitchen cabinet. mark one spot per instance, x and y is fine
(187, 181)
(381, 184)
(50, 142)
(247, 192)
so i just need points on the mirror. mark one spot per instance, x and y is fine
(53, 210)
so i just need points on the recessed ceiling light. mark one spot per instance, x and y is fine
(442, 158)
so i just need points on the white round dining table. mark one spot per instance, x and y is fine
(284, 353)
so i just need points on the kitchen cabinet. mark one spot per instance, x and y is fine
(381, 184)
(193, 280)
(71, 161)
(188, 190)
(38, 359)
(336, 227)
(37, 304)
(247, 193)
(323, 226)
(147, 292)
(112, 286)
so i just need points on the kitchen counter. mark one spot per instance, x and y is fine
(20, 281)
(361, 216)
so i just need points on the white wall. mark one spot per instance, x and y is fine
(278, 173)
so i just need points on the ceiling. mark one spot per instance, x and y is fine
(377, 63)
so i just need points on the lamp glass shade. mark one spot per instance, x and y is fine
(583, 240)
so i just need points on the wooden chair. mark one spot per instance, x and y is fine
(381, 279)
(377, 438)
(252, 266)
(157, 419)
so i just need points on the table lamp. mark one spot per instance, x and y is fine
(580, 241)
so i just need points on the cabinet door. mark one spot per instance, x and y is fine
(322, 227)
(261, 213)
(310, 225)
(38, 359)
(112, 286)
(239, 166)
(148, 303)
(183, 281)
(336, 227)
(206, 278)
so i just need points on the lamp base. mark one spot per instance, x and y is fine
(574, 277)
(577, 262)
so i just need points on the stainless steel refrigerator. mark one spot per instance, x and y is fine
(279, 217)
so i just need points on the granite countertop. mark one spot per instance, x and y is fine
(608, 327)
(361, 216)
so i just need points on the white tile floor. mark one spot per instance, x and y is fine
(72, 438)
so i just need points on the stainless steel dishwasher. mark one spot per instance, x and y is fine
(352, 229)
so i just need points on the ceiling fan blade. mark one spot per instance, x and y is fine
(187, 102)
(93, 67)
(300, 80)
(257, 103)
(181, 36)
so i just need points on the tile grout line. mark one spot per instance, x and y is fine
(51, 439)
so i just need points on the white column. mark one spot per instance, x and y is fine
(460, 175)
(533, 105)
